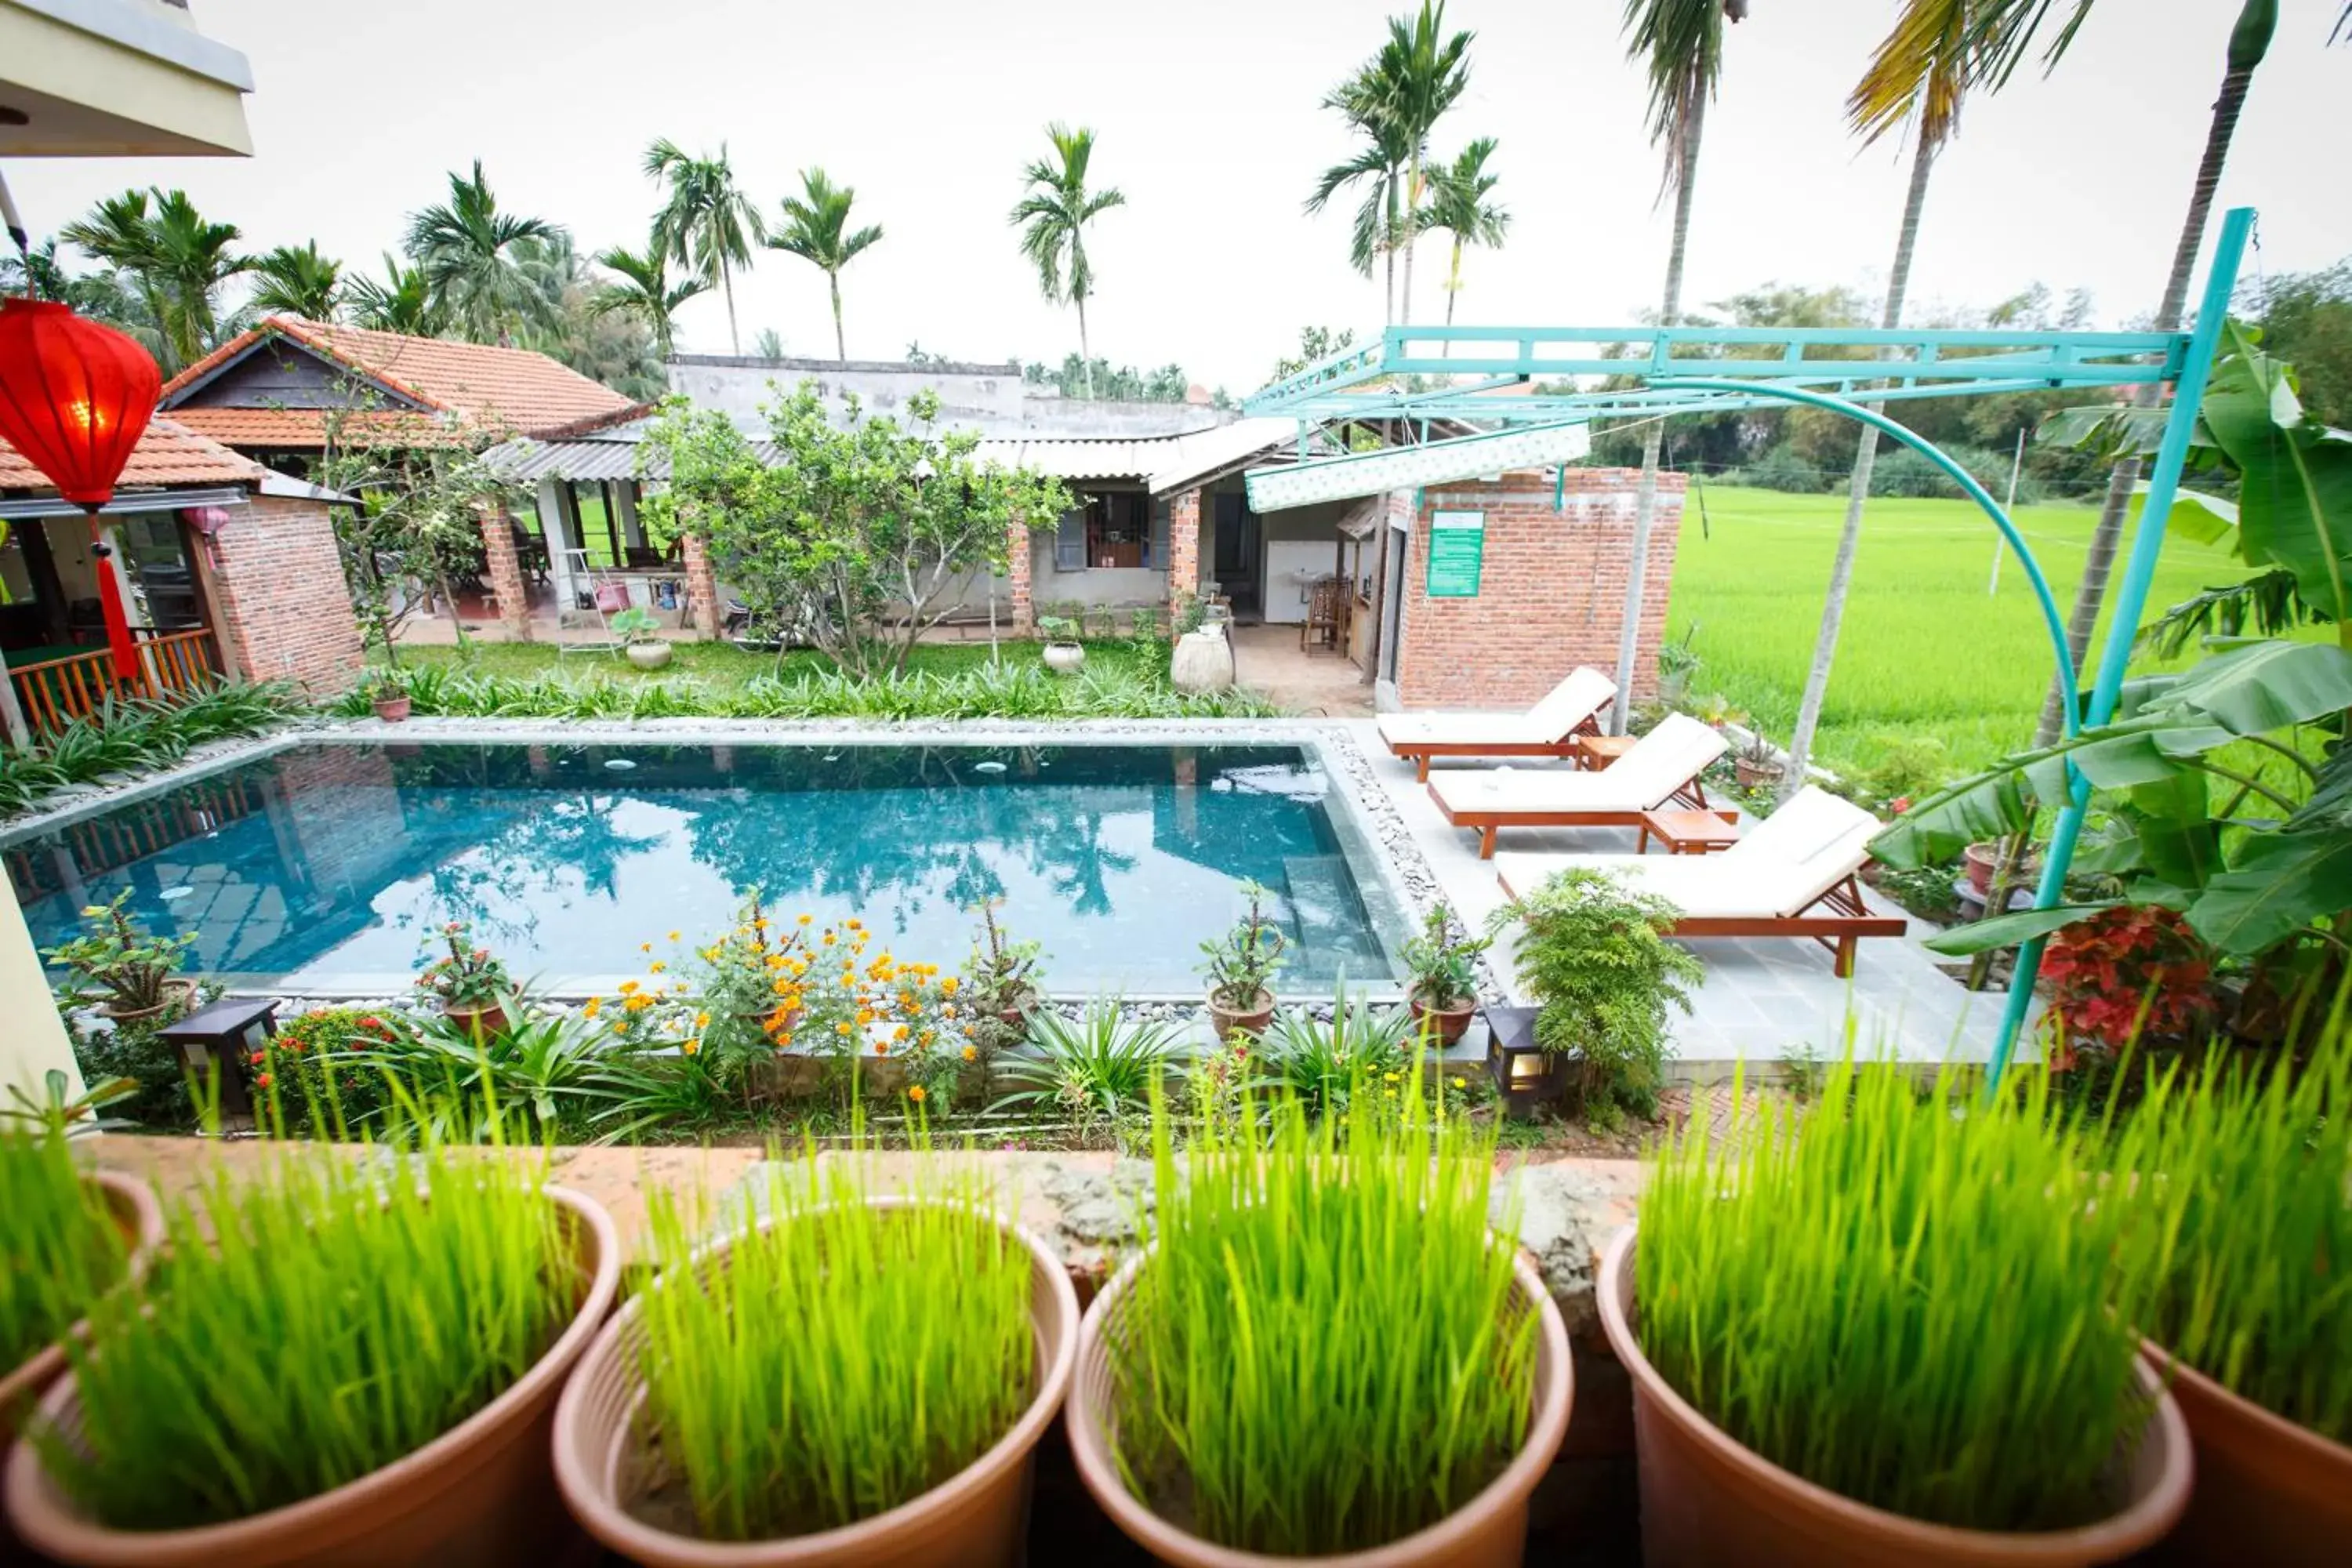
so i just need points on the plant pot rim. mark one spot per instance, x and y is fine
(597, 1508)
(1264, 1003)
(428, 1471)
(2140, 1522)
(1554, 1395)
(1415, 999)
(2309, 1447)
(127, 1197)
(140, 1015)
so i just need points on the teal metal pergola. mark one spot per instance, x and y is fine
(1664, 372)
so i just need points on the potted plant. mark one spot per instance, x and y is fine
(1595, 956)
(390, 697)
(1065, 655)
(470, 983)
(457, 1295)
(1442, 988)
(1757, 764)
(1879, 1331)
(1395, 1403)
(120, 959)
(840, 1377)
(1240, 967)
(2237, 1264)
(1000, 979)
(641, 639)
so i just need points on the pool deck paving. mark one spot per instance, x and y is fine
(1764, 1000)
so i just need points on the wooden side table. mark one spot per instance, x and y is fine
(1594, 753)
(1687, 832)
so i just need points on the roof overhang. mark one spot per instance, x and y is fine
(118, 78)
(1409, 468)
(29, 508)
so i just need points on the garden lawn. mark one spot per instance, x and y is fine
(1924, 651)
(721, 665)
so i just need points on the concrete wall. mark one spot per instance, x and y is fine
(1551, 591)
(990, 399)
(33, 1041)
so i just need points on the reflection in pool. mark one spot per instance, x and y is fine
(321, 867)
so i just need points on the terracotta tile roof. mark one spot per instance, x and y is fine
(500, 391)
(294, 429)
(168, 454)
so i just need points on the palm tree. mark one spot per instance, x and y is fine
(1459, 207)
(708, 224)
(769, 345)
(1056, 210)
(1680, 44)
(1378, 166)
(475, 263)
(1919, 75)
(812, 230)
(298, 282)
(175, 261)
(646, 291)
(403, 302)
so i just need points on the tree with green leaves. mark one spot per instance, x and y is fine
(1459, 206)
(816, 230)
(174, 263)
(645, 292)
(769, 345)
(478, 269)
(297, 281)
(613, 347)
(707, 224)
(1053, 217)
(401, 301)
(1680, 45)
(1377, 168)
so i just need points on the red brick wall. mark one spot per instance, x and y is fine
(701, 587)
(1183, 545)
(505, 571)
(1019, 553)
(284, 608)
(1551, 591)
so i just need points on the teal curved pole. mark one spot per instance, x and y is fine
(2052, 621)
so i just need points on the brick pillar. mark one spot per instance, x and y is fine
(701, 588)
(1183, 545)
(506, 571)
(1025, 609)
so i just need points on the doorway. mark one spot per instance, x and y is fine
(1234, 559)
(1392, 603)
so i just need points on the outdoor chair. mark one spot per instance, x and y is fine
(1546, 729)
(1661, 770)
(586, 609)
(1796, 873)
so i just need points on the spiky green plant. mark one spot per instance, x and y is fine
(1324, 1061)
(2238, 1256)
(1103, 1066)
(60, 1249)
(842, 1359)
(1901, 1297)
(312, 1326)
(1324, 1351)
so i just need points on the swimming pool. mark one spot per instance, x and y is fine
(318, 868)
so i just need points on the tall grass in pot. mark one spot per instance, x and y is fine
(351, 1354)
(827, 1375)
(70, 1236)
(2237, 1264)
(1880, 1331)
(1326, 1353)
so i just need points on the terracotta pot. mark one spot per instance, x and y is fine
(979, 1515)
(1755, 775)
(1707, 1498)
(1448, 1024)
(394, 709)
(489, 1017)
(1490, 1530)
(179, 996)
(1226, 1021)
(131, 1204)
(650, 655)
(2267, 1490)
(1066, 658)
(1981, 859)
(480, 1493)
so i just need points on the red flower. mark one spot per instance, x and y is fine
(1899, 805)
(259, 1057)
(261, 1080)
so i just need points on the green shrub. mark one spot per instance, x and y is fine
(1323, 1063)
(1099, 1070)
(138, 1052)
(138, 735)
(1781, 468)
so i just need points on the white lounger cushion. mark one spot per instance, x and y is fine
(1780, 869)
(1551, 721)
(1660, 763)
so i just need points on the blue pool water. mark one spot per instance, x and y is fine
(320, 867)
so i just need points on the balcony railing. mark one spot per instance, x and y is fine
(54, 693)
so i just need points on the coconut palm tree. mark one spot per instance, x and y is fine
(709, 224)
(297, 281)
(477, 266)
(403, 302)
(816, 230)
(1680, 45)
(645, 292)
(1458, 206)
(1053, 217)
(1378, 167)
(174, 263)
(1919, 75)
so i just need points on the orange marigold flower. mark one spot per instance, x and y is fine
(805, 920)
(948, 986)
(972, 1053)
(628, 987)
(841, 1028)
(865, 1014)
(916, 1094)
(657, 967)
(644, 947)
(691, 1046)
(947, 1010)
(595, 1006)
(638, 1003)
(882, 1048)
(899, 1033)
(826, 939)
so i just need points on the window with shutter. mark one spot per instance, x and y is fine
(1155, 555)
(1070, 543)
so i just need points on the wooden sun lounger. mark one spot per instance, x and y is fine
(1661, 770)
(1548, 729)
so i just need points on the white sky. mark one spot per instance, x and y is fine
(1205, 113)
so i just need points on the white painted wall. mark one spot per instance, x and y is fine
(32, 1035)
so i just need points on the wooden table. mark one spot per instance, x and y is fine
(1687, 832)
(1594, 753)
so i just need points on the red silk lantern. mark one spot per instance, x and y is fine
(75, 398)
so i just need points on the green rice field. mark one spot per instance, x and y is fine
(1925, 650)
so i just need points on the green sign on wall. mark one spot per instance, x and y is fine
(1457, 549)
